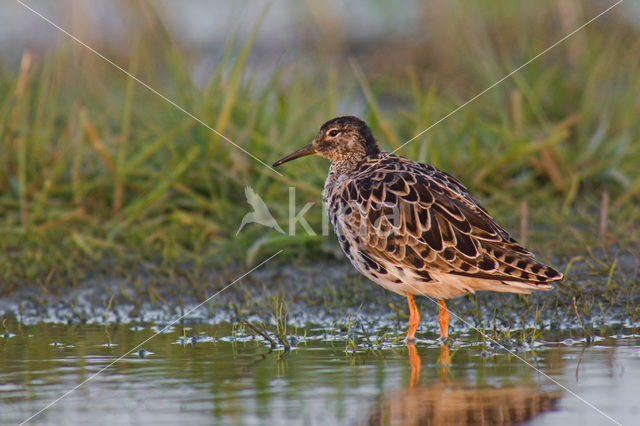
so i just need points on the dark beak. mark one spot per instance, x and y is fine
(305, 150)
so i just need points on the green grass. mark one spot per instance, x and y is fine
(99, 176)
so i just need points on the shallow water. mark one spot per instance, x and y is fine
(231, 377)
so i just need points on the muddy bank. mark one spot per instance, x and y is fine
(599, 297)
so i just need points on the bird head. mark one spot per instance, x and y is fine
(341, 138)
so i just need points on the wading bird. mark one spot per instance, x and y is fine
(413, 229)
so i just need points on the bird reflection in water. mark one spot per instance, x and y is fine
(451, 402)
(414, 359)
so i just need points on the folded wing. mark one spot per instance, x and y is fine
(415, 216)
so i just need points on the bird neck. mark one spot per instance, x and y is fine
(347, 165)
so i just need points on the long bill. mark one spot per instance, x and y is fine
(305, 150)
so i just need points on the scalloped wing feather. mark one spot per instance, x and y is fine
(424, 222)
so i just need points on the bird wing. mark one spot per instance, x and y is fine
(414, 215)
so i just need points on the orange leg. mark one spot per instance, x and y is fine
(443, 319)
(414, 360)
(414, 318)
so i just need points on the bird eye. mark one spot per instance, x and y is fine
(334, 133)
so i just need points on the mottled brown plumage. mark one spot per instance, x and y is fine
(412, 228)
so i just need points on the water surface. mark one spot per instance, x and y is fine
(219, 373)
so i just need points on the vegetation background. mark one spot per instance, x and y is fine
(101, 177)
